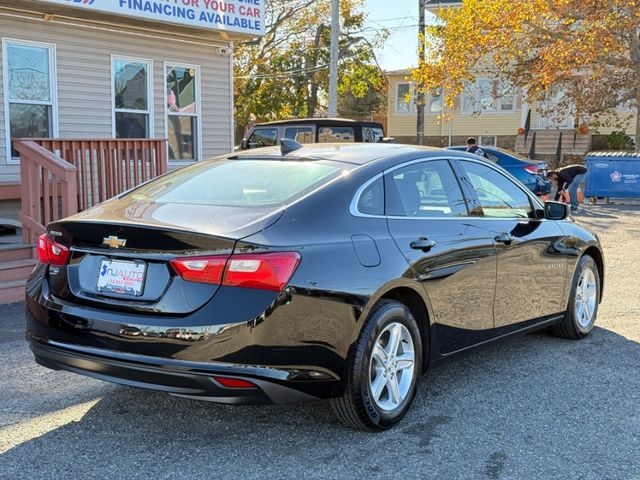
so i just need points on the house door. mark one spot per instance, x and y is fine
(556, 111)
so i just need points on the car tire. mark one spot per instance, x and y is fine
(582, 308)
(375, 361)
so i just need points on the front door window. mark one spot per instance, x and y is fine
(499, 197)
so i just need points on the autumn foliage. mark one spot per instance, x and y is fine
(285, 74)
(587, 49)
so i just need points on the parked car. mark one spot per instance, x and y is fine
(313, 130)
(341, 273)
(531, 173)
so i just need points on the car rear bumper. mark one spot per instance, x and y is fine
(183, 355)
(184, 379)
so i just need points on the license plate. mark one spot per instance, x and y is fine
(121, 277)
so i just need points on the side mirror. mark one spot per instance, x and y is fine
(556, 211)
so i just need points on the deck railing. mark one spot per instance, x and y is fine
(61, 177)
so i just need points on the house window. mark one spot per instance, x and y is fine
(405, 98)
(507, 97)
(435, 102)
(183, 111)
(488, 141)
(488, 96)
(132, 98)
(30, 93)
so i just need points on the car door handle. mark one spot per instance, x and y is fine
(423, 244)
(505, 238)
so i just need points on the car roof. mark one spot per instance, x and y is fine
(320, 122)
(352, 153)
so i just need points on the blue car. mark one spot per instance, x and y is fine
(531, 173)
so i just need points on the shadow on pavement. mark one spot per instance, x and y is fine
(532, 407)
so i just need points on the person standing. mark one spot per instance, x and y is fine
(568, 178)
(472, 147)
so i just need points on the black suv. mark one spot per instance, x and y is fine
(313, 130)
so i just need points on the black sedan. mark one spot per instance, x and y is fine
(329, 271)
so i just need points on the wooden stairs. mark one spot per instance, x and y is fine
(547, 141)
(16, 263)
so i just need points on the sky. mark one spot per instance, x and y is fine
(401, 18)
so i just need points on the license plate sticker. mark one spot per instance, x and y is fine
(121, 277)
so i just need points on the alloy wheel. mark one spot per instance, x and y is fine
(586, 298)
(391, 367)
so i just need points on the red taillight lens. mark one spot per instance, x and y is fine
(200, 269)
(51, 252)
(532, 169)
(267, 271)
(234, 382)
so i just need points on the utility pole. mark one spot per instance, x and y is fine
(420, 97)
(333, 68)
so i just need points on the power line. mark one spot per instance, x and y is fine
(287, 73)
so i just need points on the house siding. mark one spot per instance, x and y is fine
(83, 65)
(503, 125)
(462, 124)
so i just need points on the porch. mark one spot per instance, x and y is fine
(61, 177)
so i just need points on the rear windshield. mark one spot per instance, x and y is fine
(238, 183)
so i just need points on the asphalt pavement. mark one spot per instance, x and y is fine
(535, 407)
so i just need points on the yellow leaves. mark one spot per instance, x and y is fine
(532, 43)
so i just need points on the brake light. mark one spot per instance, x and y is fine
(200, 269)
(532, 169)
(264, 271)
(51, 252)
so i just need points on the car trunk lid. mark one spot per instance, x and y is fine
(120, 265)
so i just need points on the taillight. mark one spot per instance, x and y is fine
(51, 252)
(200, 269)
(266, 271)
(532, 169)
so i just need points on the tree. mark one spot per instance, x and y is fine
(587, 49)
(285, 73)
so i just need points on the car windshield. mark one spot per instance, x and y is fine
(238, 183)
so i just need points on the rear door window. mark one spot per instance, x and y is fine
(336, 135)
(263, 137)
(427, 189)
(300, 134)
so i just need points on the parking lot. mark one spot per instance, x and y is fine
(534, 407)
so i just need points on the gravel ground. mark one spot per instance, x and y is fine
(534, 407)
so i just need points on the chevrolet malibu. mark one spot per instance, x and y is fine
(338, 272)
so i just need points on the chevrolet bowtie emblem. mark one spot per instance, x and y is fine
(114, 242)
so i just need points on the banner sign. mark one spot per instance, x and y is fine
(238, 16)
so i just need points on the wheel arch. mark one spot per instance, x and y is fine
(418, 306)
(595, 253)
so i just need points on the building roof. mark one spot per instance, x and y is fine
(404, 71)
(435, 3)
(320, 122)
